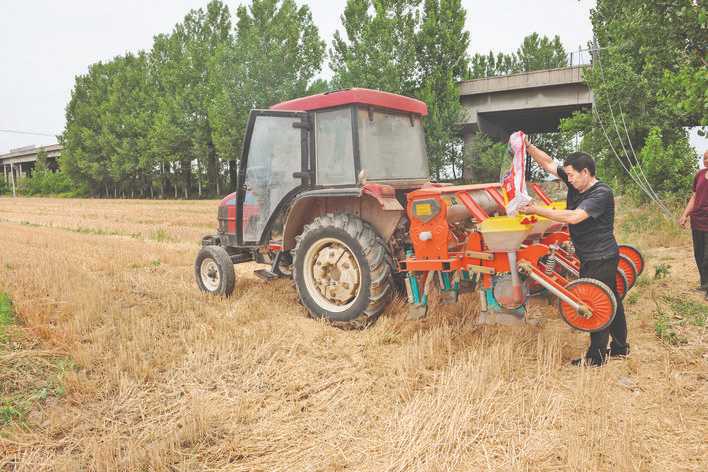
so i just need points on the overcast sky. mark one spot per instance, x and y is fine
(44, 44)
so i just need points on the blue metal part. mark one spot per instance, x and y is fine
(449, 290)
(414, 288)
(419, 307)
(446, 280)
(492, 304)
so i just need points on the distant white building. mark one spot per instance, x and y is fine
(20, 162)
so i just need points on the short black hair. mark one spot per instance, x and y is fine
(580, 161)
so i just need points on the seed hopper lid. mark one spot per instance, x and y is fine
(557, 205)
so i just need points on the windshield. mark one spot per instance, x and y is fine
(392, 146)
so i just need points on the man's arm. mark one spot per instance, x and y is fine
(683, 221)
(572, 217)
(542, 159)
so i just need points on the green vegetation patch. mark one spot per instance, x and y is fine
(6, 315)
(665, 329)
(644, 220)
(662, 271)
(674, 316)
(632, 298)
(161, 235)
(31, 388)
(25, 380)
(688, 311)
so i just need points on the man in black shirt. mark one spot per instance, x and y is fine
(590, 214)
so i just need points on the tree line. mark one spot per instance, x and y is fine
(169, 122)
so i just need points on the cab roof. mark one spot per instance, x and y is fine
(355, 96)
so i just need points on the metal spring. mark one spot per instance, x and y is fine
(551, 264)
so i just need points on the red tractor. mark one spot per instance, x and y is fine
(334, 191)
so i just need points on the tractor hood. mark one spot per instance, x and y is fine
(230, 199)
(227, 214)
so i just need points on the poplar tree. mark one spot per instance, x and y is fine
(275, 56)
(441, 50)
(84, 157)
(183, 72)
(377, 49)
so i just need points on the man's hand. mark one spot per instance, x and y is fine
(683, 221)
(530, 208)
(542, 159)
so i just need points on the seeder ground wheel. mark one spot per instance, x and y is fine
(626, 265)
(596, 296)
(622, 286)
(634, 255)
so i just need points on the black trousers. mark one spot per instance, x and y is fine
(700, 252)
(605, 270)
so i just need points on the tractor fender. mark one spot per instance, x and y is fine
(373, 203)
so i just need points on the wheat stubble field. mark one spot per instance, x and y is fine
(116, 362)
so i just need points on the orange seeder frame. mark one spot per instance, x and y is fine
(433, 254)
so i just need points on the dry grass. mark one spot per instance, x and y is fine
(164, 378)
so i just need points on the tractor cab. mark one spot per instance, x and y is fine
(335, 140)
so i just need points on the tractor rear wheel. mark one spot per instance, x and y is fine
(214, 271)
(342, 270)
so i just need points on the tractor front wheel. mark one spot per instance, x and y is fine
(342, 270)
(214, 271)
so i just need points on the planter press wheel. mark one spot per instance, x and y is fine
(596, 296)
(634, 255)
(626, 265)
(621, 284)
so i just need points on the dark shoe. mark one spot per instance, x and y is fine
(588, 362)
(615, 351)
(701, 288)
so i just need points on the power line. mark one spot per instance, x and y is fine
(645, 185)
(31, 133)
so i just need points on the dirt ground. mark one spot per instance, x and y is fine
(117, 362)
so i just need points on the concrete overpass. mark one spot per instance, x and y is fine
(533, 101)
(21, 161)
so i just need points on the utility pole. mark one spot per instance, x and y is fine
(12, 178)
